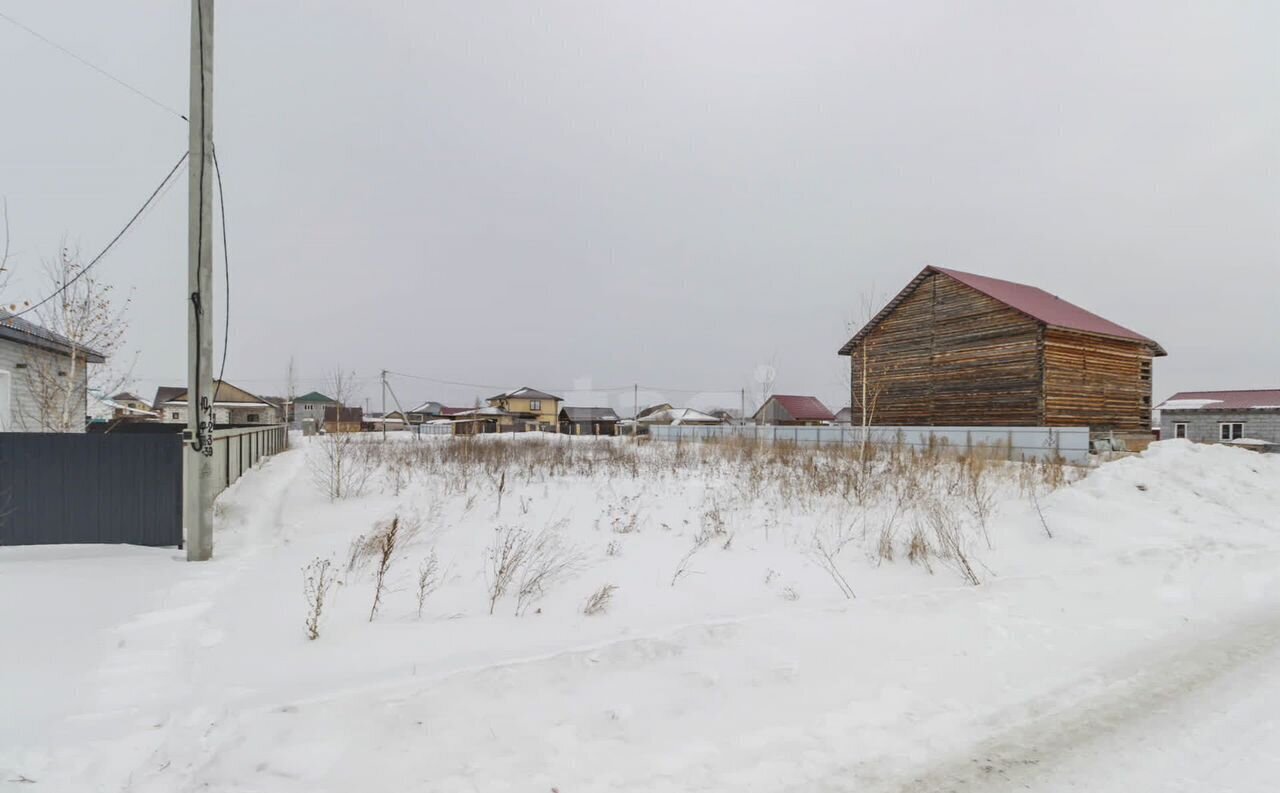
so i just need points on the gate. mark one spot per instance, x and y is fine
(60, 488)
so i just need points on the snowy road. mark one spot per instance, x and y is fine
(1201, 718)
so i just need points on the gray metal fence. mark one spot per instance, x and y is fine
(237, 450)
(78, 488)
(1018, 443)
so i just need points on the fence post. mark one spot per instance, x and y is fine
(1010, 445)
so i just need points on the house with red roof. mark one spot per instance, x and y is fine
(789, 410)
(959, 349)
(1248, 418)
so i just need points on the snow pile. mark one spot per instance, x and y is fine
(729, 657)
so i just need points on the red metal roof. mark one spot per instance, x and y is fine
(1032, 301)
(1039, 304)
(804, 408)
(1223, 400)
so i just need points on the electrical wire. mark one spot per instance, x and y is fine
(92, 65)
(66, 285)
(493, 386)
(226, 267)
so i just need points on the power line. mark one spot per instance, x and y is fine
(92, 65)
(226, 268)
(114, 240)
(491, 385)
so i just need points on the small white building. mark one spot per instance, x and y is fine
(232, 407)
(43, 378)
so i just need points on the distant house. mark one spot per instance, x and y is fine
(310, 406)
(790, 410)
(427, 411)
(679, 417)
(43, 378)
(123, 407)
(844, 417)
(527, 408)
(958, 349)
(343, 419)
(232, 406)
(392, 422)
(1242, 418)
(478, 421)
(651, 409)
(588, 421)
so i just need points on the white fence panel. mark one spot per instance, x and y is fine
(1019, 443)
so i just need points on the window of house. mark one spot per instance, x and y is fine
(1180, 430)
(535, 405)
(252, 418)
(307, 407)
(1229, 431)
(173, 415)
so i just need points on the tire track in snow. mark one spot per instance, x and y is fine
(1055, 728)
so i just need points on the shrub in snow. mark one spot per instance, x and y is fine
(383, 544)
(598, 603)
(700, 541)
(428, 579)
(953, 541)
(341, 464)
(317, 580)
(825, 546)
(531, 561)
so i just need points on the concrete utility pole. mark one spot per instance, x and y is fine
(197, 497)
(635, 411)
(384, 405)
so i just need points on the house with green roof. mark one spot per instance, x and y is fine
(310, 406)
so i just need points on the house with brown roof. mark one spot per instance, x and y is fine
(793, 411)
(959, 349)
(1248, 418)
(232, 406)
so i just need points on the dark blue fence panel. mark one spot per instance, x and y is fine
(72, 488)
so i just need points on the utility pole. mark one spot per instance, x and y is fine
(384, 405)
(635, 411)
(742, 411)
(197, 497)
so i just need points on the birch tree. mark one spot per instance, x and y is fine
(87, 314)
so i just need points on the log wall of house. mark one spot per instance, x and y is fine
(949, 355)
(1095, 381)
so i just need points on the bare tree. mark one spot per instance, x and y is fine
(866, 374)
(338, 466)
(85, 313)
(5, 272)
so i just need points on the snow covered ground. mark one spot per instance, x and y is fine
(1138, 648)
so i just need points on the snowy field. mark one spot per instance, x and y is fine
(781, 620)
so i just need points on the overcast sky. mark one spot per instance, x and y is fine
(594, 194)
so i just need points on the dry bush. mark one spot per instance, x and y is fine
(824, 548)
(614, 548)
(504, 558)
(548, 561)
(700, 541)
(429, 579)
(952, 538)
(384, 541)
(918, 548)
(599, 600)
(533, 562)
(341, 464)
(317, 580)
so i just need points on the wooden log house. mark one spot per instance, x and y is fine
(958, 349)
